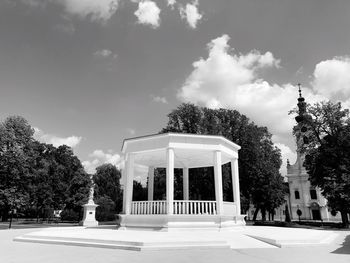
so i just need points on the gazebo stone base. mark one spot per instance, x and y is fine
(181, 222)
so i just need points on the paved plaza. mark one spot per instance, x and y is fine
(10, 251)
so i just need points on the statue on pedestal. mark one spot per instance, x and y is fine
(89, 218)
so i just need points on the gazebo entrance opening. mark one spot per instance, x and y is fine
(200, 175)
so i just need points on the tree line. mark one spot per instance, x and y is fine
(37, 178)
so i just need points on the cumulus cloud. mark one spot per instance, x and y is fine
(191, 14)
(71, 141)
(159, 99)
(172, 3)
(226, 79)
(99, 157)
(286, 154)
(148, 13)
(332, 79)
(101, 10)
(105, 53)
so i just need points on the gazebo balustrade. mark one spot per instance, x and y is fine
(180, 207)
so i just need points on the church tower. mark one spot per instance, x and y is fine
(306, 201)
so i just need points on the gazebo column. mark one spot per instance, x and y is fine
(170, 180)
(130, 161)
(150, 183)
(124, 189)
(218, 182)
(235, 185)
(186, 193)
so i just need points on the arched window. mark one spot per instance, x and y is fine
(297, 195)
(313, 194)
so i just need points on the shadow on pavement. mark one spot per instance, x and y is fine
(345, 248)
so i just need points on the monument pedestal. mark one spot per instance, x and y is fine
(89, 218)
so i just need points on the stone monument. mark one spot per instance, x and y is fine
(89, 218)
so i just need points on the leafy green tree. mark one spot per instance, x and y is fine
(327, 148)
(259, 160)
(108, 193)
(72, 183)
(36, 176)
(16, 138)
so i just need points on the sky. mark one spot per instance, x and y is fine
(90, 73)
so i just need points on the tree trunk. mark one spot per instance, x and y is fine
(344, 218)
(263, 214)
(287, 219)
(5, 215)
(255, 213)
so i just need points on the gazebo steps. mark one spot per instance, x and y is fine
(125, 244)
(248, 237)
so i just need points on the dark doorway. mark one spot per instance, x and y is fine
(316, 215)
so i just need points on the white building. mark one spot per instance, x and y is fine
(302, 197)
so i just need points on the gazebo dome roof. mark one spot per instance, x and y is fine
(191, 150)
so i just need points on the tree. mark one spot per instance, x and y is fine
(108, 193)
(259, 160)
(327, 149)
(72, 183)
(16, 138)
(36, 176)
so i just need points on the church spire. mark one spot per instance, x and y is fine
(299, 85)
(301, 106)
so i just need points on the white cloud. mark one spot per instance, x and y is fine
(225, 79)
(191, 14)
(99, 157)
(105, 53)
(96, 10)
(148, 13)
(286, 154)
(332, 79)
(172, 3)
(71, 141)
(159, 99)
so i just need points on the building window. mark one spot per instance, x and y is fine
(313, 194)
(297, 195)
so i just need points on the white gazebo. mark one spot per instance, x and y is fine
(176, 150)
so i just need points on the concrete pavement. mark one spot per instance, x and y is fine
(10, 251)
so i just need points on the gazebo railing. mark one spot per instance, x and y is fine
(181, 207)
(148, 207)
(193, 207)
